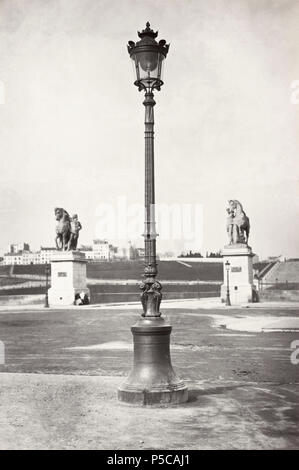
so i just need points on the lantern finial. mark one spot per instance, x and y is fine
(148, 32)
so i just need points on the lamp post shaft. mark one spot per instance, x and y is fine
(151, 289)
(228, 302)
(47, 287)
(149, 197)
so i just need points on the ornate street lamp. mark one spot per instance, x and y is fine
(227, 266)
(47, 272)
(152, 379)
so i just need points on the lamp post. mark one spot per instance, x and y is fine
(227, 266)
(47, 272)
(152, 379)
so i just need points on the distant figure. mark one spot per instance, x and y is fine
(81, 299)
(75, 229)
(255, 294)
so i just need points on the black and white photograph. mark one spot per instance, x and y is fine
(149, 242)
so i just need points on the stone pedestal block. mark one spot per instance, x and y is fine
(68, 278)
(240, 273)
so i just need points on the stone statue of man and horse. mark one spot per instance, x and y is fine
(67, 230)
(237, 225)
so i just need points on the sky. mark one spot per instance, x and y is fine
(71, 121)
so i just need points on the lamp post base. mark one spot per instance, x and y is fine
(152, 380)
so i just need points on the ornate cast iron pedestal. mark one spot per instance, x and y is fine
(152, 379)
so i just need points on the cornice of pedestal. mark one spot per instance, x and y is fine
(77, 256)
(237, 249)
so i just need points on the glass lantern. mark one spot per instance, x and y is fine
(148, 57)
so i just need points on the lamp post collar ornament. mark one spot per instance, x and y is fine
(151, 297)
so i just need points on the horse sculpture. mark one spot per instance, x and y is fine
(63, 229)
(237, 223)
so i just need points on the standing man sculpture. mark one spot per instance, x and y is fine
(75, 229)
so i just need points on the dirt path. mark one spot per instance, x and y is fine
(75, 412)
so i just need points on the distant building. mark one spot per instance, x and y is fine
(46, 254)
(15, 248)
(140, 252)
(28, 257)
(113, 251)
(132, 252)
(100, 250)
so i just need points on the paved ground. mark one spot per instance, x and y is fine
(58, 385)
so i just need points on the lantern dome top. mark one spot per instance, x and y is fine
(148, 40)
(148, 32)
